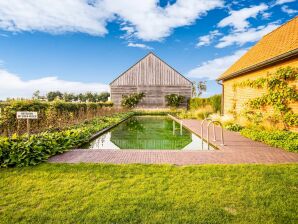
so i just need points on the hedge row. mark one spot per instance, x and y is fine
(213, 101)
(50, 114)
(23, 151)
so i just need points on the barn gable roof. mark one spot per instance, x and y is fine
(133, 74)
(278, 45)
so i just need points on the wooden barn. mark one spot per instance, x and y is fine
(155, 78)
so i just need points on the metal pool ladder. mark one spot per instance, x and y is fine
(214, 133)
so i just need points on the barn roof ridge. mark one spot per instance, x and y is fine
(150, 52)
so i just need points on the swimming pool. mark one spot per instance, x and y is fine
(148, 132)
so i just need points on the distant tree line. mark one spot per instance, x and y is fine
(71, 97)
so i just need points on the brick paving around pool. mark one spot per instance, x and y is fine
(237, 150)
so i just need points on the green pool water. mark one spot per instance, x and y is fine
(148, 132)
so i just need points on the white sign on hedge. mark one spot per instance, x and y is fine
(26, 115)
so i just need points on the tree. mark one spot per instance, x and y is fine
(36, 94)
(104, 96)
(54, 95)
(68, 97)
(82, 97)
(202, 87)
(90, 97)
(194, 89)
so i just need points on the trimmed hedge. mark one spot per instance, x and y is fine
(213, 101)
(50, 114)
(23, 151)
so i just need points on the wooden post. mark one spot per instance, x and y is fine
(28, 127)
(18, 127)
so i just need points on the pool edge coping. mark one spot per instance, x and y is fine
(108, 128)
(179, 121)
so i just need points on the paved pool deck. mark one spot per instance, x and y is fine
(237, 150)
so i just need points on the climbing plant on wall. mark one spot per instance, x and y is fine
(279, 94)
(132, 100)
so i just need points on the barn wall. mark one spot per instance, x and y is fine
(154, 95)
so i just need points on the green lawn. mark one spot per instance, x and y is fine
(85, 193)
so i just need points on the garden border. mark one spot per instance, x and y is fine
(108, 128)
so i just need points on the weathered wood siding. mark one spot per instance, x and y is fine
(153, 77)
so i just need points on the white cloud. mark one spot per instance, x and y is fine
(54, 16)
(152, 22)
(144, 19)
(287, 10)
(280, 2)
(266, 15)
(11, 85)
(239, 19)
(207, 39)
(129, 31)
(213, 68)
(249, 35)
(143, 46)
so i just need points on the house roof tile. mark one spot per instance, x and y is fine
(279, 42)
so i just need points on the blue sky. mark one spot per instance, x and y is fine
(82, 45)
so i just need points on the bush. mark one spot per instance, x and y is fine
(26, 151)
(174, 100)
(196, 103)
(213, 101)
(132, 100)
(201, 113)
(234, 127)
(282, 139)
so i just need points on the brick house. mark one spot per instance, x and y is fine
(276, 49)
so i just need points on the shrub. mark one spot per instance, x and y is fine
(213, 101)
(283, 139)
(174, 100)
(201, 113)
(26, 151)
(132, 100)
(234, 127)
(226, 120)
(196, 103)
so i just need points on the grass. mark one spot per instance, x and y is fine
(94, 193)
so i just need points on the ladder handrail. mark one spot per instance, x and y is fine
(203, 121)
(221, 126)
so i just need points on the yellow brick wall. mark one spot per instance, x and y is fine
(244, 94)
